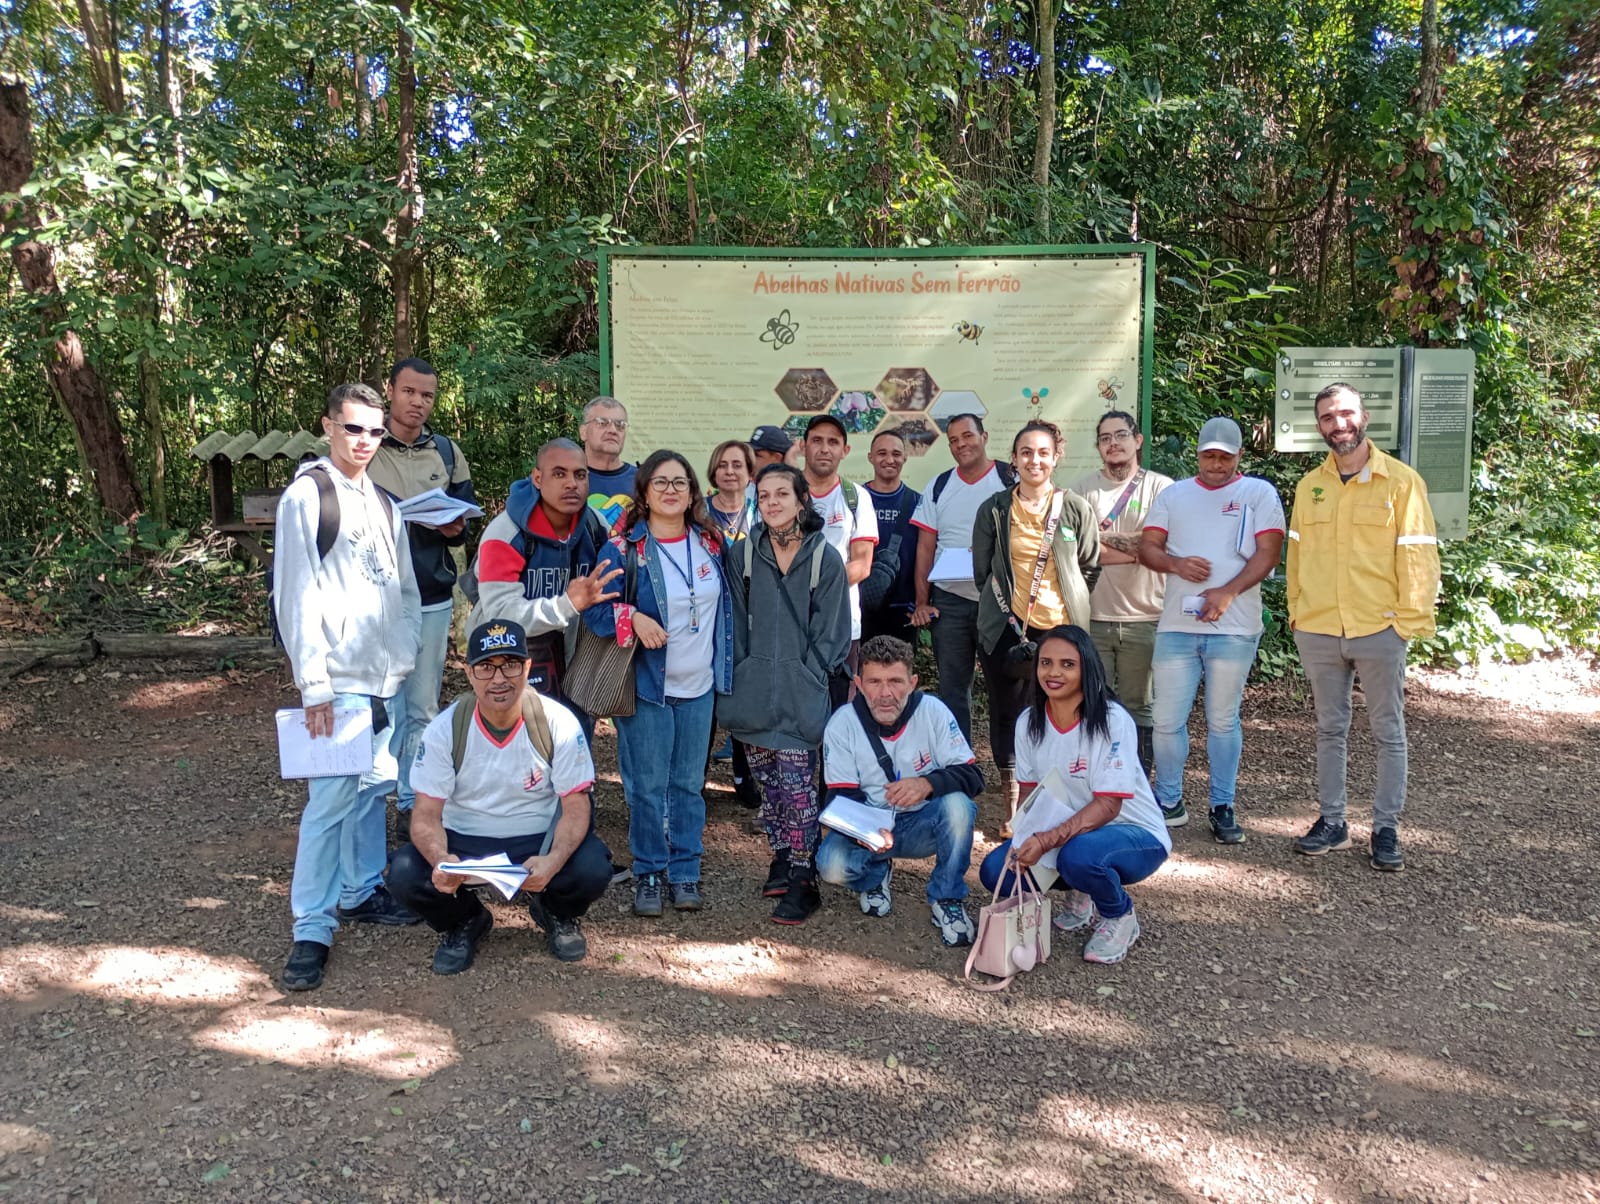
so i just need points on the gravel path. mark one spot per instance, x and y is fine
(1287, 1029)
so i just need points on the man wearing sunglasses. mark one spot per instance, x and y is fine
(348, 611)
(487, 787)
(1127, 599)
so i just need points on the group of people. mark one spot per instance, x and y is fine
(783, 604)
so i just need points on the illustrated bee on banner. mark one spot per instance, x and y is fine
(1107, 388)
(966, 330)
(1036, 399)
(780, 331)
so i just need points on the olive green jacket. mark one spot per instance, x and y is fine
(1076, 559)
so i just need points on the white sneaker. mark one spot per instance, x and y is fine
(876, 902)
(1112, 939)
(1078, 912)
(953, 922)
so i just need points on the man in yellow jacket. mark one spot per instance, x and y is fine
(1363, 575)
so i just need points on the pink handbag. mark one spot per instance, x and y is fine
(1013, 935)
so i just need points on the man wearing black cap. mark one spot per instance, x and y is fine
(513, 777)
(769, 445)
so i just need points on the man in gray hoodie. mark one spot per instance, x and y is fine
(348, 611)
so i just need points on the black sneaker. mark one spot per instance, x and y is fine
(746, 794)
(380, 907)
(566, 940)
(1386, 851)
(777, 875)
(800, 900)
(647, 895)
(303, 970)
(685, 895)
(1323, 838)
(459, 946)
(1224, 827)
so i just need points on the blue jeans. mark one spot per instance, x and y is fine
(661, 751)
(343, 848)
(418, 701)
(941, 829)
(1180, 661)
(1099, 863)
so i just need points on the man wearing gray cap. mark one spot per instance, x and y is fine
(1216, 535)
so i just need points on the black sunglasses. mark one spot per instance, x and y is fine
(355, 428)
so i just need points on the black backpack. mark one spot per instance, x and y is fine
(1008, 478)
(327, 531)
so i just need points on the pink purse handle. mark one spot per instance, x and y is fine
(1019, 879)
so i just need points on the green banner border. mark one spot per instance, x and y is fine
(1146, 251)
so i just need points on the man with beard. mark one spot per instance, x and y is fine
(1363, 575)
(898, 749)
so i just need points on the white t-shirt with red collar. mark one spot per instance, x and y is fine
(1092, 765)
(505, 788)
(842, 530)
(1220, 525)
(931, 739)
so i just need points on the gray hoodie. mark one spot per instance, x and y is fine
(780, 689)
(351, 622)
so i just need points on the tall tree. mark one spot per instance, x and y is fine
(1045, 137)
(405, 225)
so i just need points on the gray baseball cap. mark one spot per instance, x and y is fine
(1221, 434)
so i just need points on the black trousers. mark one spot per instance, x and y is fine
(583, 879)
(1010, 688)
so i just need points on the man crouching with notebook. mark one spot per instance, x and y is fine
(901, 751)
(506, 771)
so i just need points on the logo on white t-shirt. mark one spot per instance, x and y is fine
(923, 763)
(534, 778)
(1232, 507)
(1079, 766)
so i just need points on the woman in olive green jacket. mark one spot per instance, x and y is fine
(1022, 591)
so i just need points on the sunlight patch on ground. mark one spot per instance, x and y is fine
(173, 975)
(28, 915)
(1415, 1071)
(22, 1139)
(748, 968)
(1234, 880)
(381, 1044)
(161, 695)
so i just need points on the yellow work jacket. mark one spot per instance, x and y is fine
(1363, 554)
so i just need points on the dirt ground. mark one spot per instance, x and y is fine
(1287, 1029)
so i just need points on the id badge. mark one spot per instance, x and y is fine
(1194, 605)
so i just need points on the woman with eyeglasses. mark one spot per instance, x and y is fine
(1035, 557)
(682, 617)
(732, 511)
(791, 633)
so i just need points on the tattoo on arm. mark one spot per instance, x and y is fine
(1121, 542)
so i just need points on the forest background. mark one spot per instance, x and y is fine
(213, 212)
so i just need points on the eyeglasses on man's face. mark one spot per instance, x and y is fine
(1110, 437)
(670, 484)
(610, 424)
(486, 670)
(356, 430)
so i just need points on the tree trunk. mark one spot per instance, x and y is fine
(406, 222)
(73, 378)
(1044, 140)
(363, 97)
(1428, 94)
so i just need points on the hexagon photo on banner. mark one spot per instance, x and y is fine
(806, 390)
(795, 426)
(956, 401)
(860, 412)
(917, 430)
(907, 389)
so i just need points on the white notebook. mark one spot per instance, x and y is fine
(859, 821)
(346, 753)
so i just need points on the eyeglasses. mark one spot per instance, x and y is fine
(485, 670)
(610, 424)
(1110, 437)
(357, 430)
(670, 484)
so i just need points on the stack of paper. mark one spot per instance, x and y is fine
(346, 753)
(1044, 809)
(859, 821)
(499, 871)
(436, 508)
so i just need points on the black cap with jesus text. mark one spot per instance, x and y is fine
(500, 637)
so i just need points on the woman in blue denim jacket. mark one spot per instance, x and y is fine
(683, 619)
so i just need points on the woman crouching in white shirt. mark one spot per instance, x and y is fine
(1115, 835)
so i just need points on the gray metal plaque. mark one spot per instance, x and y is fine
(1303, 372)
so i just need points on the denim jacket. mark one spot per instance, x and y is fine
(650, 598)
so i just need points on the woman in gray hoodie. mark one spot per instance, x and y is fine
(791, 633)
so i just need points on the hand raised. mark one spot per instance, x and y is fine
(590, 588)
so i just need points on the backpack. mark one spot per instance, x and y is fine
(1008, 478)
(327, 531)
(885, 558)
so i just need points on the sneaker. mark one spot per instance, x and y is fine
(777, 875)
(1224, 827)
(1176, 815)
(380, 907)
(877, 901)
(1386, 851)
(953, 922)
(1078, 912)
(621, 874)
(647, 895)
(459, 946)
(685, 895)
(724, 751)
(1112, 939)
(1323, 838)
(800, 900)
(303, 970)
(566, 940)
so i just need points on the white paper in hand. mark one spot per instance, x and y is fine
(952, 564)
(859, 821)
(499, 871)
(1044, 808)
(346, 753)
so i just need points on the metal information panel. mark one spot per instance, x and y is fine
(1303, 372)
(1437, 434)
